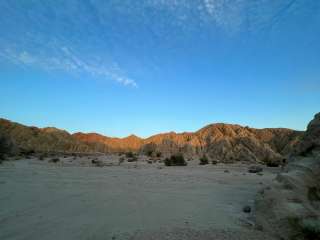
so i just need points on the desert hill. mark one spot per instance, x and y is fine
(221, 142)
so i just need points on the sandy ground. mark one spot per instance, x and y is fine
(73, 199)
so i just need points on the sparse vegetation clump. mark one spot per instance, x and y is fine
(314, 194)
(133, 159)
(129, 154)
(175, 160)
(121, 160)
(311, 228)
(255, 169)
(97, 162)
(149, 153)
(42, 156)
(214, 162)
(204, 160)
(54, 160)
(270, 163)
(308, 228)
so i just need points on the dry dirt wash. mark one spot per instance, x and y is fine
(41, 200)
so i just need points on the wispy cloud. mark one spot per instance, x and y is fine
(109, 39)
(233, 16)
(68, 62)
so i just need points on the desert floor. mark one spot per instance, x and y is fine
(73, 199)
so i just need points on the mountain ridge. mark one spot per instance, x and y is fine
(219, 141)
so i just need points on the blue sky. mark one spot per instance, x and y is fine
(150, 66)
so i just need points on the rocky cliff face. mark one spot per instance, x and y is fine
(29, 139)
(221, 142)
(290, 208)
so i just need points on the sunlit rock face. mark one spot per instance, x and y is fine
(310, 143)
(290, 208)
(220, 142)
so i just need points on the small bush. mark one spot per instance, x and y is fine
(214, 162)
(311, 228)
(255, 169)
(308, 228)
(121, 160)
(132, 159)
(175, 160)
(55, 160)
(97, 162)
(204, 160)
(313, 194)
(149, 153)
(159, 154)
(94, 161)
(273, 163)
(129, 155)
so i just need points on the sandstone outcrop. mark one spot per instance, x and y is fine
(290, 208)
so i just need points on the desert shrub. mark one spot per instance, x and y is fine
(214, 162)
(308, 151)
(175, 160)
(121, 160)
(313, 194)
(308, 228)
(204, 160)
(6, 146)
(270, 163)
(94, 161)
(159, 154)
(149, 153)
(54, 160)
(255, 169)
(132, 159)
(41, 158)
(129, 155)
(97, 162)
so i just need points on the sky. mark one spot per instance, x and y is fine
(121, 67)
